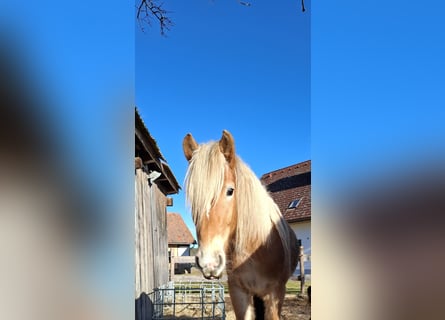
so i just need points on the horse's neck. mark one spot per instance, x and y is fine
(266, 261)
(254, 248)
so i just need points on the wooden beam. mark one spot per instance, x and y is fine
(138, 163)
(148, 148)
(301, 261)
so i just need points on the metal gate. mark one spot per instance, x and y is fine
(188, 300)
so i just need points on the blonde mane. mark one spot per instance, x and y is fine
(257, 212)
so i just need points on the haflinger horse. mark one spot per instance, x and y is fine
(239, 227)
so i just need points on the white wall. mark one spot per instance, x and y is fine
(179, 251)
(183, 251)
(303, 232)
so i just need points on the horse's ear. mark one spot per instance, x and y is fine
(189, 145)
(227, 147)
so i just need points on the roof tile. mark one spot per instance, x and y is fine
(288, 184)
(178, 233)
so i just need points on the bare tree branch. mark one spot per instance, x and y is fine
(148, 9)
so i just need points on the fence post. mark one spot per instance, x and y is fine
(172, 267)
(301, 261)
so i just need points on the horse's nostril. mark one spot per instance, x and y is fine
(210, 264)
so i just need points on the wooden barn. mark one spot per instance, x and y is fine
(154, 182)
(290, 188)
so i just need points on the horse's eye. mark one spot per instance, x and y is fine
(229, 192)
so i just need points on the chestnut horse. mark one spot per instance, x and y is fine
(239, 227)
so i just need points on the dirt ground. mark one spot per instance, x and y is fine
(294, 308)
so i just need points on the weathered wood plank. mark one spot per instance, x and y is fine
(151, 246)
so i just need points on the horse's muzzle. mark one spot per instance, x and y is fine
(211, 267)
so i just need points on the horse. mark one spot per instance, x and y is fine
(239, 228)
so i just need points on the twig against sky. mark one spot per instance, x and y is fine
(148, 9)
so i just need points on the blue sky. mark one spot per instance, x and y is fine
(227, 66)
(377, 91)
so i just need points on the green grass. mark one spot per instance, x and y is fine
(293, 286)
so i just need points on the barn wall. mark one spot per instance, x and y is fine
(151, 245)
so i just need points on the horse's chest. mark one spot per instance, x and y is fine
(253, 279)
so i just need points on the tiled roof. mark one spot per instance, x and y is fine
(288, 184)
(178, 233)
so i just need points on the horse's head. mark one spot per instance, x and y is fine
(211, 191)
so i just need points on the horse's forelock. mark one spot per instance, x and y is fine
(204, 179)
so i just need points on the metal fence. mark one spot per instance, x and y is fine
(188, 300)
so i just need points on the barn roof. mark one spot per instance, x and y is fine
(287, 186)
(147, 149)
(178, 233)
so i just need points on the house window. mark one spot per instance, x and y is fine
(294, 204)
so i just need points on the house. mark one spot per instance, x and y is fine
(154, 182)
(179, 240)
(179, 236)
(290, 187)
